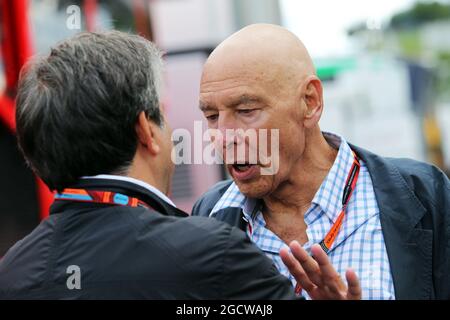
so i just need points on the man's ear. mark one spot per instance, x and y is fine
(147, 134)
(312, 95)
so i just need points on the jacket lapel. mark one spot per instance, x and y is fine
(409, 247)
(233, 216)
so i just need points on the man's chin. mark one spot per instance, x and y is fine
(257, 188)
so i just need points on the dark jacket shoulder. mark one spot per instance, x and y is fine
(137, 253)
(428, 181)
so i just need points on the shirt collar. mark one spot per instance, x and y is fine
(232, 198)
(135, 181)
(329, 195)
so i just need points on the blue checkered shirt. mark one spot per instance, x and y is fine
(359, 244)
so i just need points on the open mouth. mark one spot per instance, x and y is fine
(244, 171)
(242, 167)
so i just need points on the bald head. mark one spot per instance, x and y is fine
(262, 49)
(262, 77)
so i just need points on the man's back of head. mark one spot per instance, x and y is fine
(77, 107)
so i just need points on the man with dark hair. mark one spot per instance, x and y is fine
(89, 124)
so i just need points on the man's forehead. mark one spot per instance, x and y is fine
(234, 83)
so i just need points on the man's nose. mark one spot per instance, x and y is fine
(227, 128)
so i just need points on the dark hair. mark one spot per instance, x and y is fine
(78, 106)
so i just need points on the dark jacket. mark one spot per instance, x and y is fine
(136, 253)
(414, 202)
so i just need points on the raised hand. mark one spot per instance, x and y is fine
(317, 276)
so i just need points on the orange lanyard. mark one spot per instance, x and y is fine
(350, 185)
(105, 197)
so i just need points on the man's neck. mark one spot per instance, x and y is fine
(140, 169)
(135, 181)
(284, 209)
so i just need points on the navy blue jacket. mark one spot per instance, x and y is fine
(136, 253)
(414, 202)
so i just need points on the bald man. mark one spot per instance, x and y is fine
(386, 221)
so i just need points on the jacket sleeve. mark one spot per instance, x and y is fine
(249, 274)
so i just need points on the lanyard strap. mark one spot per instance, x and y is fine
(104, 197)
(350, 185)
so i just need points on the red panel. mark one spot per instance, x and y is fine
(142, 18)
(90, 12)
(16, 42)
(16, 48)
(7, 113)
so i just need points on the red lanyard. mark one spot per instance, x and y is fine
(104, 197)
(350, 184)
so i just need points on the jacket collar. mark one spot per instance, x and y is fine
(134, 181)
(125, 187)
(409, 246)
(391, 190)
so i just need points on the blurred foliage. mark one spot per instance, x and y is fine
(443, 75)
(410, 44)
(357, 27)
(420, 13)
(404, 37)
(406, 27)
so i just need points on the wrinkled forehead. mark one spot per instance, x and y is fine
(236, 89)
(233, 62)
(221, 81)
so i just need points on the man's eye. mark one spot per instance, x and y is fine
(246, 111)
(212, 117)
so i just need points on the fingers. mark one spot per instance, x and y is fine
(330, 277)
(316, 274)
(354, 288)
(309, 265)
(296, 269)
